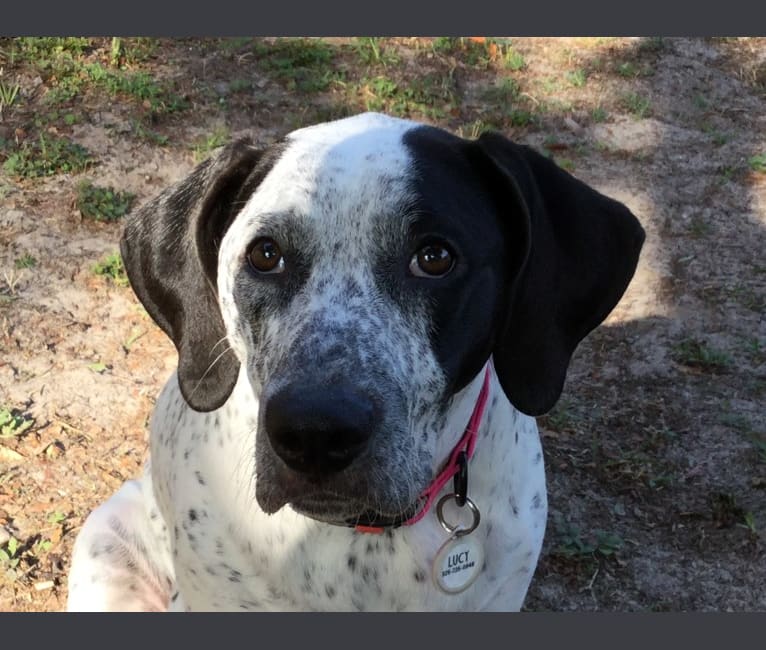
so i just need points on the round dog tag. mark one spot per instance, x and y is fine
(458, 563)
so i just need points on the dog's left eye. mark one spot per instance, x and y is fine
(265, 256)
(432, 261)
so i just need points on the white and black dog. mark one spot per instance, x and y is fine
(367, 316)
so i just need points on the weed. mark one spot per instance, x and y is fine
(748, 523)
(140, 131)
(697, 354)
(56, 517)
(513, 60)
(506, 91)
(219, 137)
(240, 85)
(429, 95)
(102, 203)
(758, 163)
(8, 95)
(520, 117)
(26, 261)
(371, 51)
(112, 268)
(47, 156)
(627, 69)
(8, 555)
(638, 105)
(598, 114)
(577, 78)
(14, 424)
(302, 64)
(573, 544)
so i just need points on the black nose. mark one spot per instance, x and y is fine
(319, 430)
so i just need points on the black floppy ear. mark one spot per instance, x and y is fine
(582, 251)
(170, 250)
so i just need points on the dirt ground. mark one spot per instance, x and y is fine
(656, 452)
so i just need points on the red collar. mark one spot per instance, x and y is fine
(467, 444)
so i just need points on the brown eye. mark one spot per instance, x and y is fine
(432, 261)
(266, 257)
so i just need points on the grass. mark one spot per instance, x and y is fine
(371, 51)
(697, 354)
(69, 71)
(112, 268)
(572, 542)
(8, 95)
(638, 105)
(47, 156)
(102, 203)
(301, 64)
(13, 423)
(758, 163)
(599, 114)
(577, 78)
(431, 95)
(26, 261)
(219, 137)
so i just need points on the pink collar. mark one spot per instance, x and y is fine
(466, 444)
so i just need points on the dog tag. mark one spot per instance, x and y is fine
(461, 558)
(458, 563)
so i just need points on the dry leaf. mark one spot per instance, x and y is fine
(8, 455)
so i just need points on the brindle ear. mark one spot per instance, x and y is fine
(170, 250)
(582, 251)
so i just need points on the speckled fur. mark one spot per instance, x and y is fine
(191, 535)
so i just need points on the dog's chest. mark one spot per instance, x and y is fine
(229, 555)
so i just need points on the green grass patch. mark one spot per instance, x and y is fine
(758, 163)
(638, 105)
(697, 354)
(102, 203)
(432, 95)
(371, 51)
(47, 156)
(26, 261)
(112, 268)
(599, 114)
(219, 137)
(574, 543)
(13, 423)
(302, 64)
(577, 78)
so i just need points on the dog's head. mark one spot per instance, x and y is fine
(363, 272)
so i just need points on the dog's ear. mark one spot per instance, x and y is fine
(170, 250)
(580, 251)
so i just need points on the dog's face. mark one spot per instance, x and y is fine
(363, 272)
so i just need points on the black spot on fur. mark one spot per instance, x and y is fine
(330, 591)
(420, 576)
(352, 562)
(192, 515)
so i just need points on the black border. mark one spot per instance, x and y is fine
(388, 17)
(384, 631)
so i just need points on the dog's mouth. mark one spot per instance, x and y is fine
(331, 510)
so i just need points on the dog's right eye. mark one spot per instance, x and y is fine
(265, 256)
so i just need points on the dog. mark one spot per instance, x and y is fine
(363, 312)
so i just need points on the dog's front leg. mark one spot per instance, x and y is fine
(121, 559)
